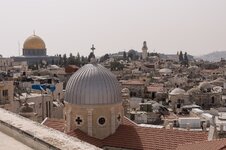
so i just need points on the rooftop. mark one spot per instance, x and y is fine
(131, 136)
(204, 145)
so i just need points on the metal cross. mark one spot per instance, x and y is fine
(93, 48)
(78, 120)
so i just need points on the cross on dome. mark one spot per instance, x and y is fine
(78, 120)
(93, 48)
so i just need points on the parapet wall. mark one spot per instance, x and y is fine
(37, 136)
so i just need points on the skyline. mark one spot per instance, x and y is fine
(197, 27)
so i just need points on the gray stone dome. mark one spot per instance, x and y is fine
(93, 84)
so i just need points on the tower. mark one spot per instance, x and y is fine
(144, 51)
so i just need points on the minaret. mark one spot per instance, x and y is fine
(144, 51)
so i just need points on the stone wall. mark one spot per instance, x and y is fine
(24, 137)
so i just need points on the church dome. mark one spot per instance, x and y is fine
(93, 84)
(34, 42)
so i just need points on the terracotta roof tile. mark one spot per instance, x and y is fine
(57, 124)
(219, 144)
(130, 136)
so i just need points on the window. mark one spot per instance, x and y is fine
(213, 100)
(119, 117)
(101, 121)
(5, 93)
(79, 120)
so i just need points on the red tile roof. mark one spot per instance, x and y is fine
(219, 144)
(155, 88)
(130, 136)
(57, 124)
(132, 82)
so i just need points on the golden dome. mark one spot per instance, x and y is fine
(34, 42)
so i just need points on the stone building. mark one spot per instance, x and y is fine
(126, 101)
(93, 102)
(6, 94)
(177, 98)
(165, 72)
(35, 52)
(6, 63)
(42, 105)
(206, 95)
(136, 87)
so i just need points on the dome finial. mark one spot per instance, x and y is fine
(33, 32)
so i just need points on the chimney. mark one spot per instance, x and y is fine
(188, 126)
(170, 125)
(204, 125)
(221, 128)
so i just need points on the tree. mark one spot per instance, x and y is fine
(78, 56)
(124, 55)
(60, 60)
(91, 55)
(104, 58)
(181, 57)
(64, 60)
(84, 60)
(53, 62)
(71, 59)
(78, 60)
(132, 54)
(185, 59)
(115, 65)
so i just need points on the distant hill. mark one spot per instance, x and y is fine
(214, 56)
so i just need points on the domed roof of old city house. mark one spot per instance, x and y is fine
(205, 85)
(165, 70)
(34, 42)
(93, 84)
(177, 91)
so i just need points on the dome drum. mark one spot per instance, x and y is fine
(34, 52)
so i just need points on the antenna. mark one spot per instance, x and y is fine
(19, 47)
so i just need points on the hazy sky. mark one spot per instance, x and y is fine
(195, 26)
